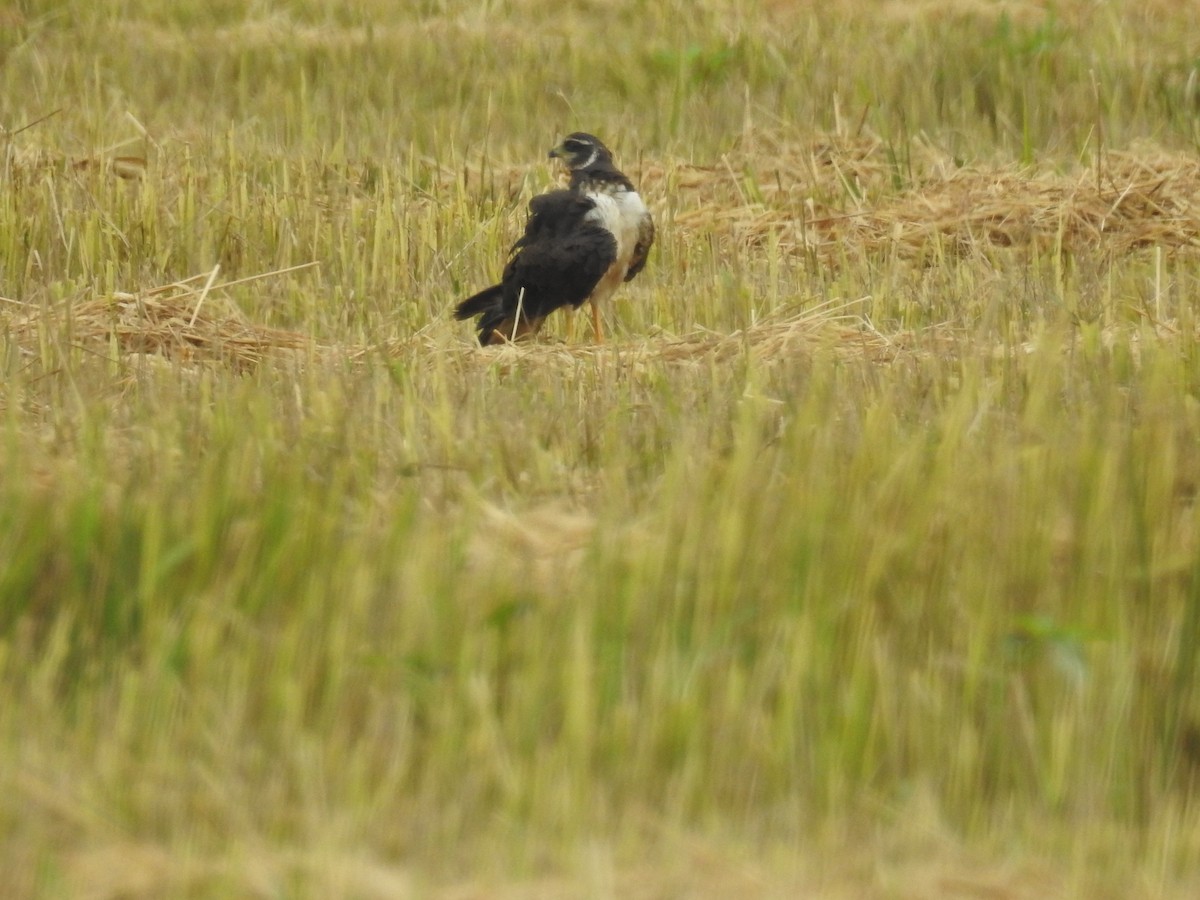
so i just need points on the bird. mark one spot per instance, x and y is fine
(580, 243)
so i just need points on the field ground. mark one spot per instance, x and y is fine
(863, 560)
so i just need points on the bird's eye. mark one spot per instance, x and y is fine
(573, 145)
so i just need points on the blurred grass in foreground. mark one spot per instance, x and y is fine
(900, 603)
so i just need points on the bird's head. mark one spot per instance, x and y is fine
(580, 150)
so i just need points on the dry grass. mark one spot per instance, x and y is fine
(1132, 200)
(844, 205)
(860, 561)
(181, 322)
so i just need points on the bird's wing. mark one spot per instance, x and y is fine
(641, 249)
(557, 262)
(559, 268)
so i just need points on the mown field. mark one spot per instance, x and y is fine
(861, 561)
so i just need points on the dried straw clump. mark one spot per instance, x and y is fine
(1132, 201)
(183, 322)
(835, 196)
(829, 329)
(800, 335)
(24, 163)
(772, 186)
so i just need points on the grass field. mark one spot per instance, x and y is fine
(862, 561)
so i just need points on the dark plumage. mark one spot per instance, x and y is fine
(593, 171)
(558, 261)
(579, 244)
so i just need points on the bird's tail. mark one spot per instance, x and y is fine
(496, 325)
(483, 302)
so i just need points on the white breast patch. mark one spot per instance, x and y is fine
(621, 213)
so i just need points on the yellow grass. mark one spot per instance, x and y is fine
(860, 562)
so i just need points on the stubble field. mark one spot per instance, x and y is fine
(863, 560)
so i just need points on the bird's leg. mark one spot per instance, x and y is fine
(597, 331)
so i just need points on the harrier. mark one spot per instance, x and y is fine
(579, 245)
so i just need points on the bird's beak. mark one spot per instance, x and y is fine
(557, 152)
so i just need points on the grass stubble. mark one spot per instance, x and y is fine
(862, 562)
